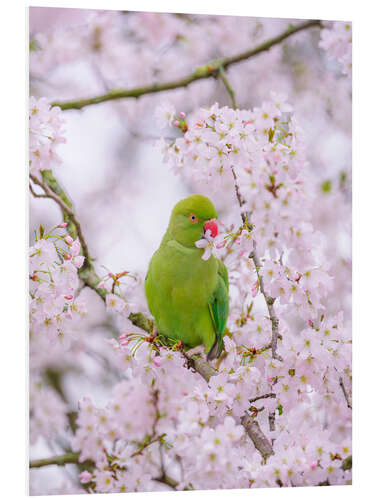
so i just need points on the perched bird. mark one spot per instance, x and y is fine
(188, 296)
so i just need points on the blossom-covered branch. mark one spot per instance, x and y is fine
(66, 207)
(207, 71)
(254, 256)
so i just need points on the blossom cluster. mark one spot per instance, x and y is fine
(45, 134)
(337, 41)
(53, 284)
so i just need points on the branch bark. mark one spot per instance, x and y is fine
(67, 458)
(209, 70)
(346, 395)
(255, 433)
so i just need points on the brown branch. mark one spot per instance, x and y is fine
(253, 255)
(165, 479)
(201, 366)
(255, 433)
(145, 445)
(264, 396)
(346, 395)
(207, 71)
(269, 302)
(36, 195)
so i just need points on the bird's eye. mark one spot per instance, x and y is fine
(193, 218)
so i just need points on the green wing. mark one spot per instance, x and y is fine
(219, 309)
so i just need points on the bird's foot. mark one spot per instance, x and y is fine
(152, 335)
(199, 349)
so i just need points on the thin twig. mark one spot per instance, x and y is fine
(66, 209)
(264, 396)
(253, 255)
(346, 395)
(228, 86)
(269, 302)
(36, 195)
(209, 70)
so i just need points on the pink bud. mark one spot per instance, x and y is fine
(182, 114)
(67, 256)
(124, 342)
(313, 466)
(68, 297)
(85, 477)
(157, 361)
(110, 275)
(176, 123)
(62, 225)
(123, 336)
(68, 240)
(311, 323)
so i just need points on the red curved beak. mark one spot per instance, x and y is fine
(212, 226)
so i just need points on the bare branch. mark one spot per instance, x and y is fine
(36, 195)
(209, 70)
(228, 86)
(264, 396)
(67, 458)
(255, 433)
(346, 395)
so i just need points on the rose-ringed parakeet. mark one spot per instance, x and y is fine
(188, 296)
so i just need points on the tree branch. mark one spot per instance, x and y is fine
(228, 86)
(66, 207)
(255, 433)
(207, 71)
(67, 458)
(269, 302)
(254, 256)
(346, 395)
(264, 396)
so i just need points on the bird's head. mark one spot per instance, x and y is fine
(191, 218)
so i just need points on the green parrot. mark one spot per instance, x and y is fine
(188, 296)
